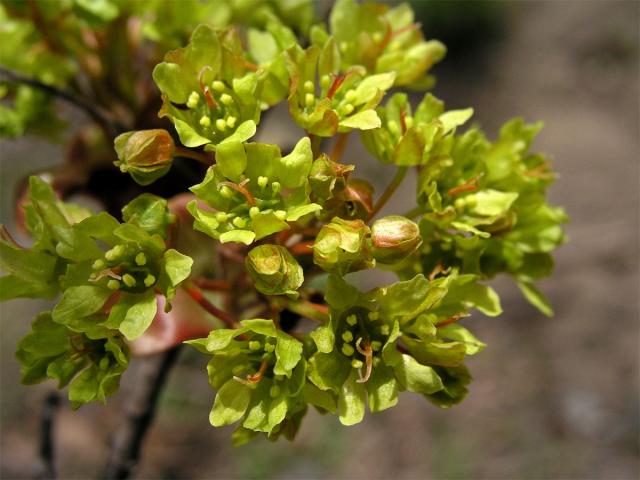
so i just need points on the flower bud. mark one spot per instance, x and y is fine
(394, 238)
(145, 154)
(342, 246)
(326, 177)
(274, 270)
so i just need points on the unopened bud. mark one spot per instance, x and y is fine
(394, 238)
(145, 154)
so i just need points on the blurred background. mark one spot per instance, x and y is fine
(550, 399)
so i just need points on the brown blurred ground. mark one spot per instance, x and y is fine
(551, 398)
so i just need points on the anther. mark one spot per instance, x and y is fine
(141, 259)
(128, 280)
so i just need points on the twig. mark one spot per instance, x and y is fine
(46, 448)
(141, 406)
(388, 193)
(201, 157)
(339, 146)
(110, 127)
(195, 293)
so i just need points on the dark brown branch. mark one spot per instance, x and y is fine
(46, 448)
(110, 127)
(127, 441)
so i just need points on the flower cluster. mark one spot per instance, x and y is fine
(271, 234)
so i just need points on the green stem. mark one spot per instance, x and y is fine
(390, 190)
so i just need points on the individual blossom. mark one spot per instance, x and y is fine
(324, 99)
(384, 39)
(357, 358)
(253, 191)
(258, 373)
(274, 270)
(208, 90)
(408, 138)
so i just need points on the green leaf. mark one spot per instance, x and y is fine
(294, 168)
(78, 302)
(382, 389)
(177, 266)
(168, 77)
(288, 354)
(351, 402)
(319, 398)
(364, 120)
(406, 300)
(84, 388)
(149, 212)
(328, 371)
(459, 333)
(230, 404)
(188, 136)
(416, 377)
(140, 311)
(454, 118)
(243, 132)
(492, 203)
(324, 338)
(241, 236)
(231, 159)
(536, 297)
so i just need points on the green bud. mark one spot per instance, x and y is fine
(357, 363)
(347, 336)
(146, 154)
(226, 99)
(255, 345)
(276, 187)
(149, 280)
(394, 238)
(274, 270)
(141, 259)
(352, 319)
(263, 181)
(205, 121)
(128, 280)
(113, 284)
(231, 121)
(221, 124)
(98, 265)
(342, 246)
(348, 350)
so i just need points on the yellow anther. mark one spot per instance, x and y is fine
(218, 86)
(226, 99)
(348, 350)
(192, 101)
(205, 121)
(221, 124)
(141, 259)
